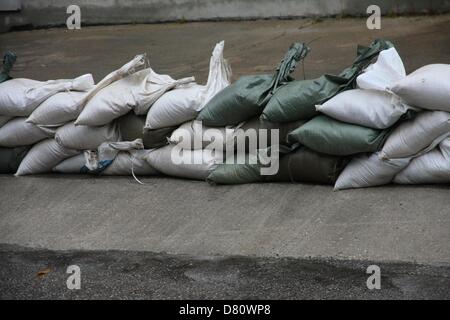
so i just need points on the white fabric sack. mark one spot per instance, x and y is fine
(86, 137)
(385, 72)
(368, 171)
(17, 132)
(191, 164)
(128, 68)
(368, 108)
(58, 109)
(432, 167)
(183, 104)
(43, 157)
(193, 135)
(137, 91)
(3, 120)
(417, 136)
(19, 97)
(72, 165)
(427, 87)
(128, 162)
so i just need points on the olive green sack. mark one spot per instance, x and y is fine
(10, 158)
(8, 61)
(305, 165)
(326, 135)
(132, 128)
(247, 97)
(233, 173)
(297, 99)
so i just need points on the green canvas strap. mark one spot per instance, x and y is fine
(8, 61)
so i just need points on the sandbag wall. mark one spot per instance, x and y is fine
(369, 125)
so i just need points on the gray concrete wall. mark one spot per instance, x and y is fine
(43, 13)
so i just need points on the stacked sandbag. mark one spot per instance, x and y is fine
(111, 158)
(431, 167)
(43, 114)
(297, 100)
(415, 150)
(247, 97)
(327, 143)
(307, 166)
(175, 161)
(190, 154)
(185, 102)
(18, 99)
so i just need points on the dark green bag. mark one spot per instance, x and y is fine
(297, 99)
(233, 173)
(157, 138)
(10, 158)
(247, 97)
(305, 165)
(8, 61)
(284, 129)
(132, 128)
(329, 136)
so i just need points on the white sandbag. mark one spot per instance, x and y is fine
(17, 132)
(368, 108)
(385, 72)
(43, 157)
(19, 97)
(86, 137)
(183, 104)
(3, 120)
(130, 162)
(72, 165)
(369, 171)
(417, 136)
(137, 91)
(193, 135)
(58, 109)
(427, 87)
(192, 164)
(432, 167)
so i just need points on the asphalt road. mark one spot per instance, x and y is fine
(41, 274)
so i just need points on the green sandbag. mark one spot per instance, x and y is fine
(284, 129)
(10, 158)
(297, 99)
(305, 165)
(157, 138)
(329, 136)
(247, 97)
(233, 173)
(8, 61)
(131, 126)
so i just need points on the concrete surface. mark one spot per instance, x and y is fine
(143, 275)
(38, 13)
(187, 217)
(409, 224)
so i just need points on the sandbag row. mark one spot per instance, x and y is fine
(370, 125)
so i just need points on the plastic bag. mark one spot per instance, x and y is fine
(297, 100)
(247, 97)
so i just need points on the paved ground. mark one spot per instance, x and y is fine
(41, 274)
(399, 224)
